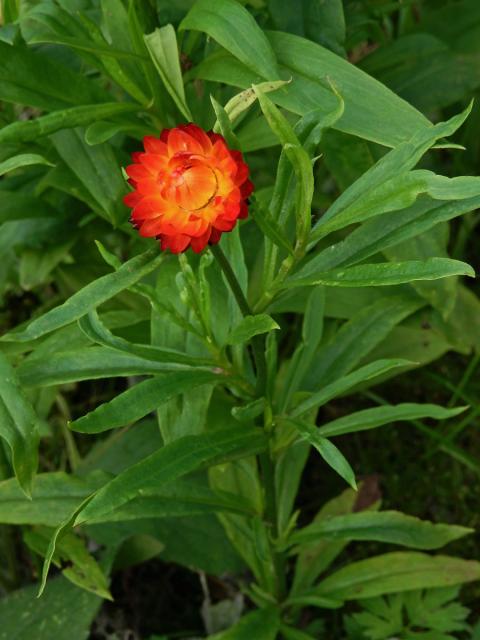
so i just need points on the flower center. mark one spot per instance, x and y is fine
(195, 185)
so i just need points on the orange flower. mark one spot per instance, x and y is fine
(189, 188)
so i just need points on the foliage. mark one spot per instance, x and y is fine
(214, 373)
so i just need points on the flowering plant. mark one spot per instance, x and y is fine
(211, 335)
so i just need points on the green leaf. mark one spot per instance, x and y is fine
(141, 399)
(232, 26)
(54, 497)
(384, 526)
(396, 192)
(385, 177)
(291, 633)
(36, 266)
(314, 559)
(86, 363)
(82, 569)
(385, 274)
(89, 297)
(345, 383)
(329, 452)
(95, 330)
(243, 100)
(269, 226)
(378, 416)
(18, 426)
(50, 23)
(277, 122)
(223, 124)
(100, 131)
(63, 608)
(29, 130)
(397, 572)
(385, 231)
(163, 49)
(372, 111)
(176, 500)
(251, 326)
(173, 461)
(303, 168)
(262, 624)
(357, 337)
(18, 206)
(60, 532)
(32, 78)
(250, 411)
(97, 169)
(322, 22)
(23, 160)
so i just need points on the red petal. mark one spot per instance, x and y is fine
(176, 244)
(198, 134)
(132, 199)
(215, 236)
(199, 244)
(246, 188)
(137, 172)
(154, 145)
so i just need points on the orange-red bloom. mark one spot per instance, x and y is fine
(189, 188)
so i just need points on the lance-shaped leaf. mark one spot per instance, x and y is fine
(398, 192)
(345, 383)
(54, 496)
(329, 452)
(386, 273)
(232, 26)
(141, 399)
(22, 160)
(173, 461)
(262, 624)
(28, 130)
(93, 328)
(388, 186)
(357, 337)
(383, 526)
(32, 78)
(388, 230)
(163, 49)
(89, 297)
(251, 326)
(87, 363)
(82, 569)
(372, 111)
(98, 170)
(378, 416)
(18, 426)
(397, 572)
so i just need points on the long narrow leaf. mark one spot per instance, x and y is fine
(378, 416)
(395, 573)
(386, 274)
(18, 426)
(382, 526)
(141, 399)
(173, 461)
(89, 297)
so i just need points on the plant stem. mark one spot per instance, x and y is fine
(266, 463)
(257, 341)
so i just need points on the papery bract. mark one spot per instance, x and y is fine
(189, 188)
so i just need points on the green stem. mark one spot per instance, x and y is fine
(266, 463)
(257, 341)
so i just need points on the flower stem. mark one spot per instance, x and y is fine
(258, 345)
(267, 464)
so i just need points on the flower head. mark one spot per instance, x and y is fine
(189, 188)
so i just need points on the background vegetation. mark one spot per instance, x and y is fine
(79, 88)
